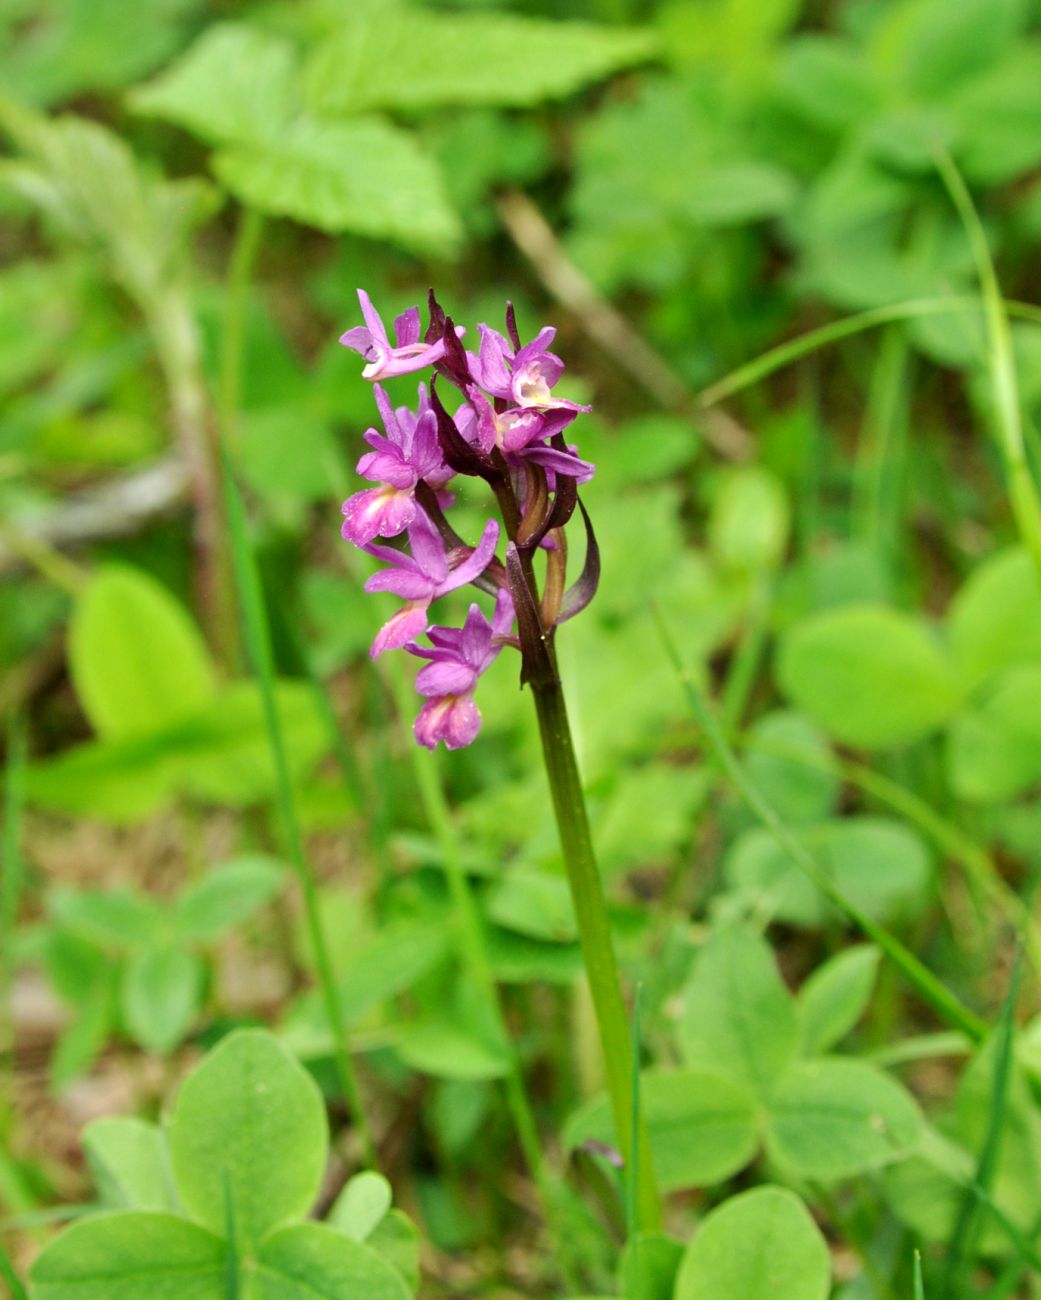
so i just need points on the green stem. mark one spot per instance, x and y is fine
(12, 875)
(880, 456)
(930, 989)
(7, 1273)
(594, 933)
(476, 959)
(1026, 508)
(233, 333)
(258, 639)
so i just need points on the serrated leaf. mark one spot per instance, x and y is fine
(235, 83)
(365, 176)
(249, 1123)
(408, 59)
(138, 661)
(90, 183)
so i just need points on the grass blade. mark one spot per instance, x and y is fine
(1001, 364)
(774, 359)
(968, 1224)
(929, 988)
(258, 644)
(18, 1291)
(919, 1285)
(632, 1169)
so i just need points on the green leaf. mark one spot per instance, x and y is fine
(738, 1017)
(442, 1047)
(113, 917)
(928, 49)
(362, 1205)
(226, 896)
(881, 865)
(995, 619)
(91, 45)
(404, 58)
(130, 1255)
(999, 119)
(161, 991)
(830, 1119)
(649, 1265)
(825, 80)
(130, 1164)
(92, 186)
(138, 661)
(759, 1245)
(396, 1239)
(310, 1261)
(994, 749)
(365, 176)
(702, 1128)
(731, 193)
(749, 520)
(235, 83)
(791, 762)
(221, 756)
(250, 1122)
(533, 903)
(872, 677)
(835, 997)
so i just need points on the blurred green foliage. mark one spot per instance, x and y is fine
(833, 553)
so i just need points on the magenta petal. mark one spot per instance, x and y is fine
(401, 582)
(560, 462)
(388, 467)
(404, 626)
(357, 339)
(475, 563)
(406, 327)
(495, 376)
(454, 719)
(448, 677)
(428, 548)
(373, 319)
(463, 724)
(376, 513)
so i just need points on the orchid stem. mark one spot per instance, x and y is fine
(594, 930)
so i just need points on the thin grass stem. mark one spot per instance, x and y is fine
(1001, 363)
(968, 1224)
(18, 1291)
(929, 988)
(774, 359)
(258, 643)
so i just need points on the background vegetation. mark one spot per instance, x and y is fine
(807, 698)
